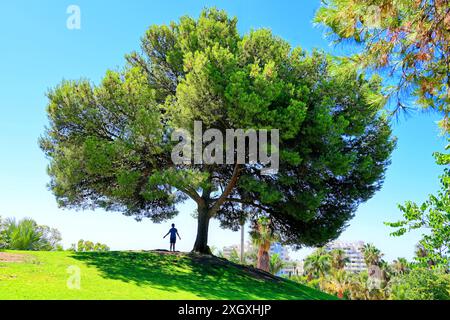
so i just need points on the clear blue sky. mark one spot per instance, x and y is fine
(37, 51)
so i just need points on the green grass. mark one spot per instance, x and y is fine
(141, 275)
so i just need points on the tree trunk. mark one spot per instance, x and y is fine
(242, 243)
(201, 243)
(263, 260)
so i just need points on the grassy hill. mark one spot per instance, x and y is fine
(139, 275)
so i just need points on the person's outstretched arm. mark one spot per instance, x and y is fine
(166, 234)
(178, 235)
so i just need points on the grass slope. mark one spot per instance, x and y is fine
(139, 275)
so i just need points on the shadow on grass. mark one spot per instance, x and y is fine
(207, 277)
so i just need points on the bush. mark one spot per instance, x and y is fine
(26, 234)
(421, 284)
(87, 246)
(3, 238)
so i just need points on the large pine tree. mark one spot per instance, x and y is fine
(109, 144)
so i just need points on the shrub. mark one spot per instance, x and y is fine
(3, 237)
(26, 234)
(421, 284)
(86, 246)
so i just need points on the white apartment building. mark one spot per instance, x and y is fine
(353, 251)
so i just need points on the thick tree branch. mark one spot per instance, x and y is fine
(228, 189)
(248, 203)
(194, 195)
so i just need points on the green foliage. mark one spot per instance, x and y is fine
(3, 234)
(421, 284)
(26, 234)
(399, 281)
(401, 266)
(317, 264)
(338, 282)
(338, 259)
(359, 287)
(275, 263)
(89, 246)
(234, 256)
(262, 234)
(109, 144)
(434, 216)
(406, 40)
(372, 255)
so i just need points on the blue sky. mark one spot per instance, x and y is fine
(37, 51)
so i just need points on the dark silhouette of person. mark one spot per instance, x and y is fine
(173, 237)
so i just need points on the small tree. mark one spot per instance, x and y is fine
(26, 234)
(338, 259)
(421, 284)
(80, 245)
(51, 238)
(99, 247)
(88, 246)
(434, 216)
(372, 255)
(338, 282)
(262, 237)
(359, 286)
(276, 264)
(234, 256)
(317, 264)
(400, 266)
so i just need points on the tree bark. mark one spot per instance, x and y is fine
(201, 242)
(263, 260)
(242, 243)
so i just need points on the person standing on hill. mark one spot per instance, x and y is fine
(173, 237)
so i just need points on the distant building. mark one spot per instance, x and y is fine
(292, 268)
(298, 271)
(226, 251)
(277, 248)
(353, 251)
(283, 253)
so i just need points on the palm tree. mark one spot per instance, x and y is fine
(359, 286)
(317, 264)
(23, 235)
(262, 237)
(372, 255)
(361, 289)
(338, 259)
(275, 263)
(400, 266)
(422, 255)
(338, 282)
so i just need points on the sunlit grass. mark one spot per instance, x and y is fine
(140, 275)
